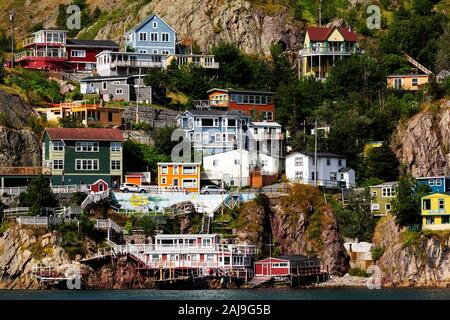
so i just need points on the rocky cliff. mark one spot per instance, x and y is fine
(19, 148)
(412, 259)
(206, 22)
(300, 223)
(423, 142)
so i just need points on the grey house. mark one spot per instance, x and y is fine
(117, 88)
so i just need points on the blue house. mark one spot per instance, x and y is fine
(214, 131)
(440, 184)
(153, 36)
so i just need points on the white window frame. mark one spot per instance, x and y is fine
(333, 176)
(299, 175)
(328, 162)
(78, 53)
(190, 166)
(441, 202)
(298, 161)
(164, 170)
(416, 80)
(163, 180)
(176, 169)
(143, 51)
(83, 163)
(119, 91)
(152, 35)
(104, 85)
(58, 146)
(116, 146)
(155, 51)
(87, 146)
(165, 52)
(145, 36)
(165, 34)
(438, 183)
(386, 207)
(375, 207)
(114, 166)
(388, 192)
(191, 186)
(155, 25)
(431, 182)
(60, 165)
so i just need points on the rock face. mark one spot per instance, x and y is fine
(422, 143)
(412, 260)
(20, 249)
(16, 111)
(299, 223)
(19, 148)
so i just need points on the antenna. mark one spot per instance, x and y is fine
(11, 20)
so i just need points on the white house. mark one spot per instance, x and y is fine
(226, 166)
(331, 169)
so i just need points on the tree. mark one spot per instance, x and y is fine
(86, 225)
(163, 139)
(147, 225)
(382, 163)
(2, 72)
(356, 220)
(38, 196)
(406, 205)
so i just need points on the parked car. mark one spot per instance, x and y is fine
(212, 190)
(132, 187)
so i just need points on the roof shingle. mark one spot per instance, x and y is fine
(85, 134)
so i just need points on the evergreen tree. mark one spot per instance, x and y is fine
(38, 196)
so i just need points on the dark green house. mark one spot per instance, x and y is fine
(83, 155)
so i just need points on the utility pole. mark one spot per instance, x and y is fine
(138, 96)
(315, 153)
(320, 13)
(11, 20)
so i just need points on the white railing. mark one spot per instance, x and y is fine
(137, 64)
(261, 136)
(105, 224)
(38, 221)
(49, 53)
(94, 198)
(70, 188)
(329, 51)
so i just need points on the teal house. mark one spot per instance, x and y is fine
(83, 155)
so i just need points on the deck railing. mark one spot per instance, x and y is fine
(25, 171)
(49, 53)
(329, 51)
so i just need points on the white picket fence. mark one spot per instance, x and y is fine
(68, 189)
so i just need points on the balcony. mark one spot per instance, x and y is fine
(137, 64)
(201, 104)
(328, 51)
(50, 42)
(204, 61)
(263, 136)
(58, 54)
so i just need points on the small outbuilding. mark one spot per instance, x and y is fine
(99, 186)
(287, 265)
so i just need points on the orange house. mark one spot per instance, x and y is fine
(407, 81)
(178, 174)
(258, 103)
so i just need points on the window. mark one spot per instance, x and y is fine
(299, 175)
(215, 163)
(263, 100)
(397, 83)
(375, 207)
(104, 85)
(85, 146)
(189, 169)
(340, 162)
(431, 182)
(426, 205)
(236, 161)
(328, 162)
(58, 145)
(115, 164)
(116, 146)
(163, 169)
(333, 176)
(58, 164)
(153, 37)
(414, 82)
(387, 207)
(110, 116)
(155, 51)
(206, 242)
(374, 193)
(231, 122)
(142, 51)
(175, 169)
(269, 100)
(78, 53)
(299, 161)
(252, 99)
(189, 183)
(258, 99)
(388, 192)
(155, 25)
(163, 180)
(86, 164)
(445, 219)
(245, 99)
(430, 220)
(119, 91)
(268, 115)
(438, 183)
(142, 36)
(210, 122)
(165, 37)
(175, 182)
(165, 52)
(441, 204)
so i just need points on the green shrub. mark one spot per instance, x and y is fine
(377, 253)
(356, 272)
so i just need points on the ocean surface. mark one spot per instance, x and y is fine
(233, 294)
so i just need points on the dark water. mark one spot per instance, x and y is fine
(232, 294)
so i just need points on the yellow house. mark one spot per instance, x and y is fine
(436, 212)
(322, 47)
(407, 81)
(185, 176)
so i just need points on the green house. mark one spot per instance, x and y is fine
(382, 196)
(83, 155)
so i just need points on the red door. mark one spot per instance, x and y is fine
(202, 259)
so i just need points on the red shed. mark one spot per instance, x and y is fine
(287, 265)
(99, 186)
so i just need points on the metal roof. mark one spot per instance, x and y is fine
(91, 43)
(319, 154)
(85, 134)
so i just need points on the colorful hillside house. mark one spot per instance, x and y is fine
(436, 212)
(179, 176)
(152, 36)
(416, 80)
(439, 184)
(323, 47)
(381, 198)
(83, 155)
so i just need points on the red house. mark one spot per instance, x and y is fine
(50, 50)
(287, 265)
(254, 103)
(99, 186)
(43, 50)
(81, 54)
